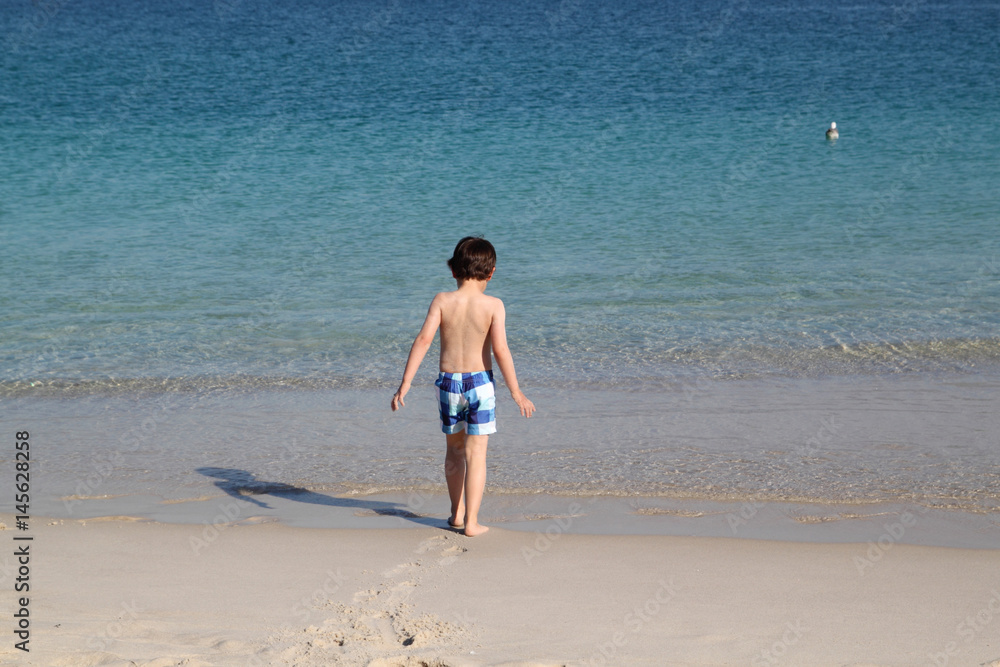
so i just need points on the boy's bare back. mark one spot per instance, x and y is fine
(467, 317)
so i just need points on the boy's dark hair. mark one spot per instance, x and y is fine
(474, 258)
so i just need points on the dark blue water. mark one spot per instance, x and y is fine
(248, 191)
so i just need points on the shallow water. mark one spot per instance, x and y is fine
(835, 442)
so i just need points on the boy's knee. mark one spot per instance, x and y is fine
(475, 445)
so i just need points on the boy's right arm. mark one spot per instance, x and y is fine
(421, 344)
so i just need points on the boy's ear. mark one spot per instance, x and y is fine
(492, 271)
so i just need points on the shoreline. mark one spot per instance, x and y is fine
(899, 523)
(904, 440)
(807, 461)
(116, 592)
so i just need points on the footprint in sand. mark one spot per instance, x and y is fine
(404, 585)
(399, 569)
(430, 543)
(381, 617)
(366, 595)
(450, 555)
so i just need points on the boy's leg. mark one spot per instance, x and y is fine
(454, 473)
(475, 482)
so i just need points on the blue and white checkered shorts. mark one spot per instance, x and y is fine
(467, 399)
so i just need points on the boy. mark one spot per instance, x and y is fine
(471, 325)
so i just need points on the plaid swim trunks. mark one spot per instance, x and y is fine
(467, 399)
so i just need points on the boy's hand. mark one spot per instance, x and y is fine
(397, 399)
(526, 406)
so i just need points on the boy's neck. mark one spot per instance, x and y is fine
(472, 284)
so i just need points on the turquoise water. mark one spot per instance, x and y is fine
(252, 192)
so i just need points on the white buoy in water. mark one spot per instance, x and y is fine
(832, 132)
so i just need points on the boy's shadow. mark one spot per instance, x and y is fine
(244, 486)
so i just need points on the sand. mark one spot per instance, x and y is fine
(137, 592)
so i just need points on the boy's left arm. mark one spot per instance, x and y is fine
(498, 340)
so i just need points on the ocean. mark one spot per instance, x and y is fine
(229, 218)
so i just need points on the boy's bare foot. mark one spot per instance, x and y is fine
(457, 525)
(476, 530)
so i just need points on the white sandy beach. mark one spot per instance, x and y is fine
(128, 592)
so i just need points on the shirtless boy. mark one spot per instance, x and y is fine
(472, 325)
